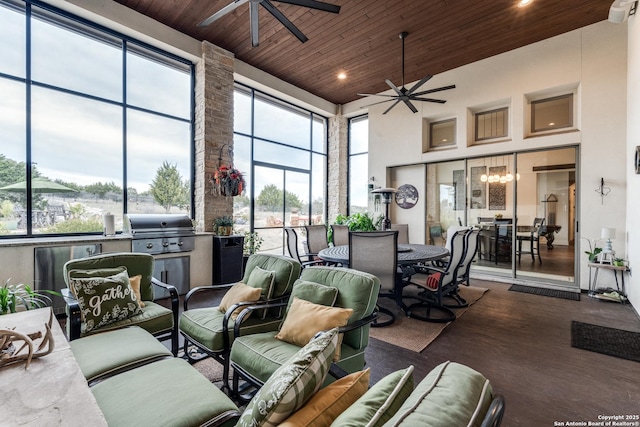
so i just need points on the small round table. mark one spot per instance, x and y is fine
(408, 254)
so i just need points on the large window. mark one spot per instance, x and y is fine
(282, 151)
(359, 180)
(91, 123)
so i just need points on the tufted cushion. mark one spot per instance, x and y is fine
(379, 403)
(450, 395)
(330, 401)
(292, 384)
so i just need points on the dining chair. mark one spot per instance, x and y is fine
(316, 238)
(340, 234)
(438, 283)
(533, 237)
(376, 252)
(501, 240)
(472, 238)
(294, 252)
(403, 232)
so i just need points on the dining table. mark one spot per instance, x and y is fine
(408, 254)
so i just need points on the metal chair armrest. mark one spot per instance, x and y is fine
(200, 289)
(73, 312)
(259, 305)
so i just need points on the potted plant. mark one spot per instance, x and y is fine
(618, 262)
(223, 226)
(228, 181)
(21, 297)
(252, 244)
(593, 251)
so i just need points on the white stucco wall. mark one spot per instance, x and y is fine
(592, 61)
(633, 140)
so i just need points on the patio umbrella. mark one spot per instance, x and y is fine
(39, 185)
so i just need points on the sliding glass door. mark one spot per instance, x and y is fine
(524, 205)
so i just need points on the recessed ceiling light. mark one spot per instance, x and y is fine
(524, 3)
(342, 76)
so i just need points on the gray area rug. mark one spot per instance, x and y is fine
(605, 340)
(575, 296)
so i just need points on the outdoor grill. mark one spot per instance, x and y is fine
(160, 233)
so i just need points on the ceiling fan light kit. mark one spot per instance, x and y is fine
(254, 14)
(407, 95)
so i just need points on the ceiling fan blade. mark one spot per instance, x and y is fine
(393, 105)
(376, 103)
(394, 87)
(376, 94)
(420, 83)
(410, 105)
(284, 20)
(219, 14)
(313, 4)
(439, 101)
(435, 90)
(254, 21)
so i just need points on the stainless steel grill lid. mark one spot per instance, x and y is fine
(146, 225)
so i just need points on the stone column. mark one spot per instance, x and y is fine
(213, 131)
(338, 157)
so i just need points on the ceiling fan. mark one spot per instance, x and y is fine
(407, 95)
(253, 15)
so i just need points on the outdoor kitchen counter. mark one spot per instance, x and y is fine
(72, 240)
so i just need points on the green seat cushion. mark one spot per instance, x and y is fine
(108, 353)
(154, 319)
(204, 326)
(169, 392)
(261, 355)
(293, 384)
(450, 395)
(380, 402)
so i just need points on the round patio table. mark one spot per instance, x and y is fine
(408, 254)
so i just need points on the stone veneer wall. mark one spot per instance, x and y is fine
(213, 129)
(338, 157)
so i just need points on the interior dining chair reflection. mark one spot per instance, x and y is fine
(376, 252)
(533, 237)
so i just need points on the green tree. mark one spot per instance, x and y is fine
(168, 188)
(12, 172)
(271, 199)
(101, 190)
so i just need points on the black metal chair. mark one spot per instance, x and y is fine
(501, 240)
(472, 238)
(403, 232)
(340, 234)
(533, 237)
(316, 239)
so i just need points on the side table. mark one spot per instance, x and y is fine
(593, 284)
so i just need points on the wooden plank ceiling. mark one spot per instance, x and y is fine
(362, 40)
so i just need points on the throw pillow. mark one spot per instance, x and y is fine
(305, 319)
(313, 292)
(433, 280)
(135, 285)
(380, 403)
(96, 272)
(263, 279)
(330, 401)
(292, 384)
(104, 300)
(238, 293)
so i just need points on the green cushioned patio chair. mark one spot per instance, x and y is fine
(155, 318)
(211, 330)
(255, 357)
